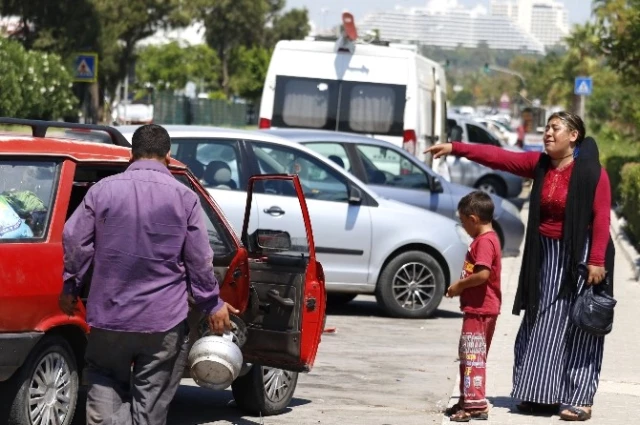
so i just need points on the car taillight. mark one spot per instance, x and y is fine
(409, 140)
(264, 123)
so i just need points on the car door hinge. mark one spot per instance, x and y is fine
(311, 304)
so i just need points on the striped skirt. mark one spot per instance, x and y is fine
(555, 362)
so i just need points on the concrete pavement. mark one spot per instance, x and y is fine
(618, 396)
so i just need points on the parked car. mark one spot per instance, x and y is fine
(396, 174)
(275, 282)
(469, 173)
(405, 255)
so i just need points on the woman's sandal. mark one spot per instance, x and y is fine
(467, 415)
(453, 409)
(572, 413)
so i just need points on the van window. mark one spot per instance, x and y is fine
(305, 102)
(349, 106)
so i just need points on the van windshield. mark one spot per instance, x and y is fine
(350, 106)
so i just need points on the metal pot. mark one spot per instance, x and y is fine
(215, 361)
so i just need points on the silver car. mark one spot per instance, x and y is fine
(469, 173)
(394, 173)
(405, 255)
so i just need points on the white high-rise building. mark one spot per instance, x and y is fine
(547, 20)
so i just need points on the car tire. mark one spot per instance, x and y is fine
(397, 285)
(264, 390)
(493, 186)
(51, 362)
(340, 298)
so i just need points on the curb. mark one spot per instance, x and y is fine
(620, 236)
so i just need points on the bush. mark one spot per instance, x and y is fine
(33, 84)
(616, 150)
(630, 197)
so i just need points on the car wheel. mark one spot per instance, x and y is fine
(339, 298)
(264, 390)
(492, 186)
(411, 285)
(46, 386)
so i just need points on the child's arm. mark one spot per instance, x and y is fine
(480, 276)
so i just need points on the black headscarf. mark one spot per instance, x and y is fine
(577, 221)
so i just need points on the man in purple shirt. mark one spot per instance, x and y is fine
(143, 233)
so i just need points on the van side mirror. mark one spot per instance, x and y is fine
(436, 185)
(355, 195)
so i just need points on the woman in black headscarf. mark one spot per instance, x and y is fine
(557, 366)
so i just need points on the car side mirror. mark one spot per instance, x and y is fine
(436, 185)
(355, 195)
(275, 240)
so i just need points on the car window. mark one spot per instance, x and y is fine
(218, 236)
(387, 167)
(372, 108)
(214, 162)
(480, 135)
(305, 102)
(318, 180)
(27, 191)
(334, 151)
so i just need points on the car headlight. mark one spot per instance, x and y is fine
(510, 208)
(463, 235)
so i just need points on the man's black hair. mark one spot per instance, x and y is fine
(477, 203)
(150, 141)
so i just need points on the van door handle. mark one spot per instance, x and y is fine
(275, 210)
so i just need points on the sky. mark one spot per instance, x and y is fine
(579, 10)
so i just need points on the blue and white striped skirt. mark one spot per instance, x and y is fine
(555, 362)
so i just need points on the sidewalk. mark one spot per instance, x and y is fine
(618, 396)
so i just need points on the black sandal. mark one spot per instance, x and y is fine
(580, 415)
(453, 409)
(467, 415)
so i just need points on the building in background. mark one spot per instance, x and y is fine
(448, 25)
(546, 20)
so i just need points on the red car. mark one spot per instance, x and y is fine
(276, 282)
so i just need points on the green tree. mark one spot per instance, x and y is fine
(251, 65)
(292, 25)
(33, 84)
(171, 66)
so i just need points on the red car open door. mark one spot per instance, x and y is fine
(286, 310)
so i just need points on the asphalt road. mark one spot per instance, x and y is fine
(373, 370)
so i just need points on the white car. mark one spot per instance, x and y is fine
(406, 256)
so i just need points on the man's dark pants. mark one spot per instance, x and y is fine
(133, 376)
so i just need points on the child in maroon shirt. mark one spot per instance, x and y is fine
(480, 299)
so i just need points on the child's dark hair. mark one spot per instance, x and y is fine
(477, 203)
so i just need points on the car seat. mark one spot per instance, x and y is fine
(218, 175)
(196, 167)
(337, 160)
(377, 177)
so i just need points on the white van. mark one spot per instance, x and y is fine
(379, 89)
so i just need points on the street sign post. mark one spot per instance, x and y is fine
(85, 68)
(583, 86)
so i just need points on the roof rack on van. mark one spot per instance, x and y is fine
(39, 128)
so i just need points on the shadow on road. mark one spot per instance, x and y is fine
(195, 405)
(365, 307)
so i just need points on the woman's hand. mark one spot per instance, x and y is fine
(439, 150)
(596, 274)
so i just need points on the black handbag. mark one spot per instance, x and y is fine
(593, 308)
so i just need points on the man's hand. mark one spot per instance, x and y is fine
(68, 303)
(439, 150)
(219, 321)
(596, 275)
(454, 290)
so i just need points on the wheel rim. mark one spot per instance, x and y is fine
(488, 188)
(413, 286)
(277, 383)
(50, 391)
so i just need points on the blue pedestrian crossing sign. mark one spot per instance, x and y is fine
(583, 86)
(85, 68)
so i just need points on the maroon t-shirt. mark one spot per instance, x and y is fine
(485, 298)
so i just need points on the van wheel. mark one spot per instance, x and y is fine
(264, 390)
(411, 286)
(492, 186)
(47, 385)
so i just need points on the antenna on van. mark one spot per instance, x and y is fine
(348, 34)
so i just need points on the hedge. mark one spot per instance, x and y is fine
(630, 197)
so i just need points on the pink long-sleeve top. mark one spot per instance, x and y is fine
(555, 189)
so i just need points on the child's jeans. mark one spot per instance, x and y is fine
(475, 340)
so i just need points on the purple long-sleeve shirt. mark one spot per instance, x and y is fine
(145, 234)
